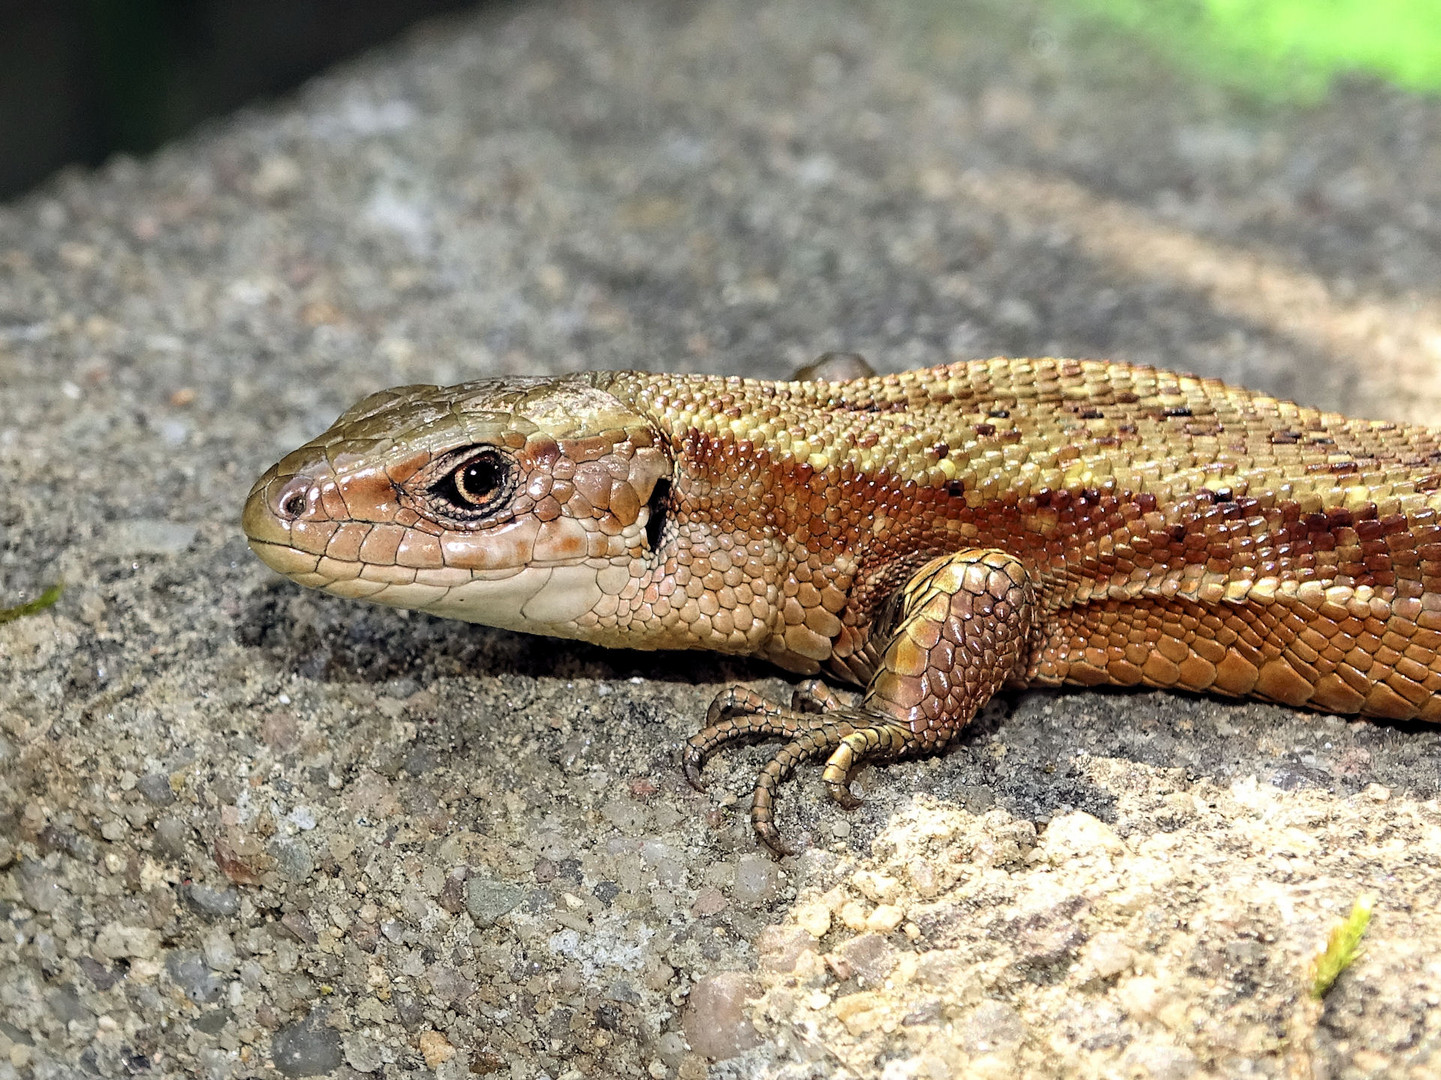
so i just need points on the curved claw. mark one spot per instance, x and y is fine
(763, 819)
(735, 714)
(841, 793)
(768, 781)
(843, 732)
(692, 761)
(878, 742)
(815, 696)
(769, 835)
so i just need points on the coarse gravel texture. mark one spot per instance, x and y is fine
(249, 831)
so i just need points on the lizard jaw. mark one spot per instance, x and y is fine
(529, 576)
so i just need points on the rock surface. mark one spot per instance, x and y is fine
(248, 831)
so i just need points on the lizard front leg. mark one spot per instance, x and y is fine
(964, 628)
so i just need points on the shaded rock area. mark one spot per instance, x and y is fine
(249, 831)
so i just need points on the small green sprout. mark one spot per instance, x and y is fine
(30, 607)
(1342, 948)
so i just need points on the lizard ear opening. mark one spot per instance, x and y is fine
(659, 506)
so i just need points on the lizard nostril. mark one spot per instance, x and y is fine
(292, 499)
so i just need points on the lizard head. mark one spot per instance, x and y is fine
(519, 503)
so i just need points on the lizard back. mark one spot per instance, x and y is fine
(1180, 532)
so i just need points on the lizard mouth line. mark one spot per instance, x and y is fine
(293, 562)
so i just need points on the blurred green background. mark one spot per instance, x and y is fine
(1289, 50)
(83, 79)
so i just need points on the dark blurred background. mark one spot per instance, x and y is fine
(83, 79)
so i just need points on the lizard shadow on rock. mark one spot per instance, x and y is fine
(1046, 733)
(336, 640)
(1049, 732)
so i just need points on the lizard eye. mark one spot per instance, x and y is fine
(478, 483)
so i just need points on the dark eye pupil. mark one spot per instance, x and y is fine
(479, 479)
(475, 482)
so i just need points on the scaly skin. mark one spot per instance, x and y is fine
(929, 536)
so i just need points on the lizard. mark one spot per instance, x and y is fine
(930, 536)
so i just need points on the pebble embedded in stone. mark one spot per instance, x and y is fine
(885, 918)
(306, 1048)
(708, 901)
(993, 1025)
(1078, 835)
(715, 1020)
(293, 860)
(779, 947)
(757, 879)
(435, 1048)
(1157, 1059)
(488, 898)
(219, 951)
(361, 1054)
(172, 836)
(880, 888)
(188, 971)
(870, 957)
(65, 1003)
(666, 862)
(210, 903)
(212, 1022)
(116, 940)
(814, 919)
(1108, 954)
(156, 789)
(39, 888)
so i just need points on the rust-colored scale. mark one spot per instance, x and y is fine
(929, 536)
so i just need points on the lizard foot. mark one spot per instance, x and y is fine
(842, 734)
(963, 627)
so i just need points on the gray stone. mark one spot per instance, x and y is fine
(488, 898)
(293, 860)
(116, 939)
(172, 837)
(306, 1048)
(729, 188)
(361, 1054)
(757, 879)
(40, 888)
(65, 1003)
(219, 951)
(156, 789)
(211, 903)
(187, 970)
(212, 1022)
(215, 1063)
